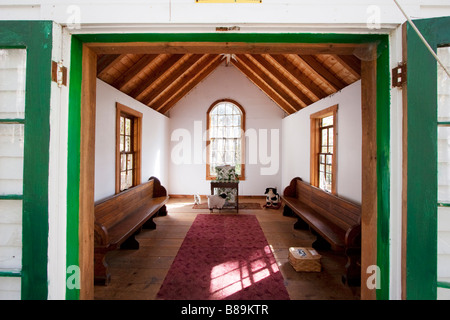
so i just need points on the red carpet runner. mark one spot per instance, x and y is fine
(224, 257)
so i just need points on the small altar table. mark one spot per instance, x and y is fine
(228, 185)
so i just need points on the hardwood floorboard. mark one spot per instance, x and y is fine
(138, 274)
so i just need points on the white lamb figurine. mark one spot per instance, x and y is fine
(215, 201)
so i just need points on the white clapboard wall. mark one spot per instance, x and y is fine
(444, 174)
(12, 107)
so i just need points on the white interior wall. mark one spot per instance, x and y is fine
(263, 123)
(154, 140)
(296, 142)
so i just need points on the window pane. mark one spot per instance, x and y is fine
(443, 85)
(123, 162)
(322, 158)
(236, 132)
(122, 125)
(220, 120)
(127, 126)
(230, 132)
(324, 139)
(444, 164)
(129, 161)
(329, 159)
(329, 169)
(238, 168)
(12, 83)
(220, 144)
(330, 140)
(129, 178)
(127, 144)
(123, 180)
(11, 158)
(327, 121)
(229, 157)
(121, 143)
(328, 182)
(238, 148)
(236, 120)
(230, 108)
(212, 121)
(322, 182)
(229, 120)
(11, 234)
(443, 243)
(212, 169)
(221, 108)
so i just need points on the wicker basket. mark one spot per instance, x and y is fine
(305, 259)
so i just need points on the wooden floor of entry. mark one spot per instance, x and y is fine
(87, 144)
(139, 274)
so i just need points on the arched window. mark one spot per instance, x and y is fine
(225, 137)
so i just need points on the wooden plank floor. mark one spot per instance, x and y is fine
(138, 274)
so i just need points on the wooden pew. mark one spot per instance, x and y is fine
(335, 221)
(120, 217)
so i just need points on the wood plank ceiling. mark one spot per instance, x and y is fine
(292, 81)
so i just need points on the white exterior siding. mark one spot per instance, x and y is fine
(443, 146)
(188, 16)
(12, 106)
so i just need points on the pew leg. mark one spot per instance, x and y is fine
(162, 212)
(101, 269)
(287, 212)
(352, 277)
(300, 224)
(320, 243)
(131, 243)
(149, 224)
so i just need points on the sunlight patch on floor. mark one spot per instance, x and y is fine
(231, 277)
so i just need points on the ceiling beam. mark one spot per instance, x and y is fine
(178, 74)
(129, 75)
(214, 62)
(283, 79)
(286, 107)
(307, 82)
(105, 62)
(169, 63)
(351, 63)
(225, 47)
(274, 84)
(322, 72)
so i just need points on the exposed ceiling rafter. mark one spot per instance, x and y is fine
(160, 75)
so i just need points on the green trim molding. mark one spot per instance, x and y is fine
(383, 168)
(73, 162)
(13, 274)
(383, 130)
(36, 37)
(421, 237)
(443, 284)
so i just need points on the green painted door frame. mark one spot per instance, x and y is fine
(421, 235)
(383, 120)
(36, 37)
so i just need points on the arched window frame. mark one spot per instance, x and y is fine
(209, 176)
